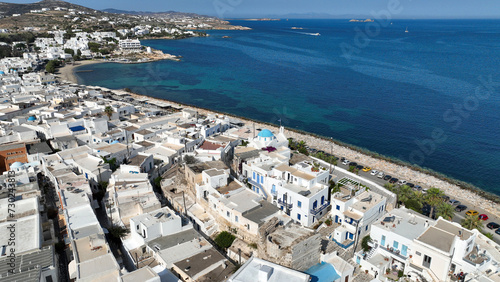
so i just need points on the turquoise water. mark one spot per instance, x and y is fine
(429, 96)
(323, 272)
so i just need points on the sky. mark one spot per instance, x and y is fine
(407, 9)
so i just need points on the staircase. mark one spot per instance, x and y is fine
(371, 252)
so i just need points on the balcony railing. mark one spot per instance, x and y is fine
(320, 208)
(254, 183)
(394, 252)
(287, 205)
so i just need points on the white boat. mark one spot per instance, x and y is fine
(315, 34)
(406, 30)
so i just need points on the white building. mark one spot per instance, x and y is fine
(355, 214)
(421, 248)
(259, 270)
(129, 44)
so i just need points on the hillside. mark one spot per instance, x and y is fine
(8, 9)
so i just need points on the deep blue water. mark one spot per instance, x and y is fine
(397, 90)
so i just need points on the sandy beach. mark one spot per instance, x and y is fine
(67, 72)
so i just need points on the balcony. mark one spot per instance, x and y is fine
(287, 205)
(320, 208)
(252, 182)
(394, 253)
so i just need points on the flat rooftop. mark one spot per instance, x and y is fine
(250, 271)
(261, 213)
(405, 223)
(169, 241)
(194, 265)
(200, 167)
(437, 238)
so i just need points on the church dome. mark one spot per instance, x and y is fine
(265, 133)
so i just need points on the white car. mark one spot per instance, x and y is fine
(380, 175)
(374, 172)
(402, 182)
(346, 162)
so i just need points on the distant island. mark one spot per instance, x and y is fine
(361, 21)
(260, 20)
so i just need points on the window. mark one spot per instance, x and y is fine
(228, 214)
(404, 250)
(254, 175)
(322, 200)
(299, 204)
(382, 242)
(337, 207)
(315, 204)
(395, 244)
(427, 261)
(262, 180)
(236, 218)
(298, 216)
(258, 178)
(366, 228)
(257, 190)
(273, 189)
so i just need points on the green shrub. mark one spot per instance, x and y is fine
(224, 239)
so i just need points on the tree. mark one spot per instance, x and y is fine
(94, 47)
(224, 240)
(51, 66)
(364, 243)
(404, 193)
(433, 198)
(445, 210)
(189, 159)
(117, 232)
(69, 51)
(109, 111)
(473, 222)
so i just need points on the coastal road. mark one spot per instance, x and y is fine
(459, 216)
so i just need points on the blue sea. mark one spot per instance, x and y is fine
(429, 96)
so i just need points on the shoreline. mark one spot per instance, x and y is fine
(67, 72)
(469, 193)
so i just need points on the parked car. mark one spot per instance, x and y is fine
(483, 216)
(418, 187)
(345, 162)
(342, 159)
(353, 164)
(493, 225)
(445, 198)
(381, 175)
(367, 169)
(387, 177)
(402, 182)
(359, 167)
(454, 202)
(498, 231)
(460, 208)
(374, 172)
(411, 185)
(393, 180)
(472, 212)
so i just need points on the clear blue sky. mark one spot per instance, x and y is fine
(338, 8)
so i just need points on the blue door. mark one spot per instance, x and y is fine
(322, 200)
(336, 219)
(315, 204)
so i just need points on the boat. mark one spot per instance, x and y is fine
(294, 27)
(315, 34)
(406, 31)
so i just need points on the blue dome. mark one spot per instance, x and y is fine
(1, 72)
(265, 133)
(17, 165)
(31, 118)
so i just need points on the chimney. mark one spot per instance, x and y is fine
(426, 223)
(264, 273)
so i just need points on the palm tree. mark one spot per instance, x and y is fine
(473, 222)
(117, 232)
(109, 111)
(445, 210)
(433, 198)
(404, 193)
(389, 186)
